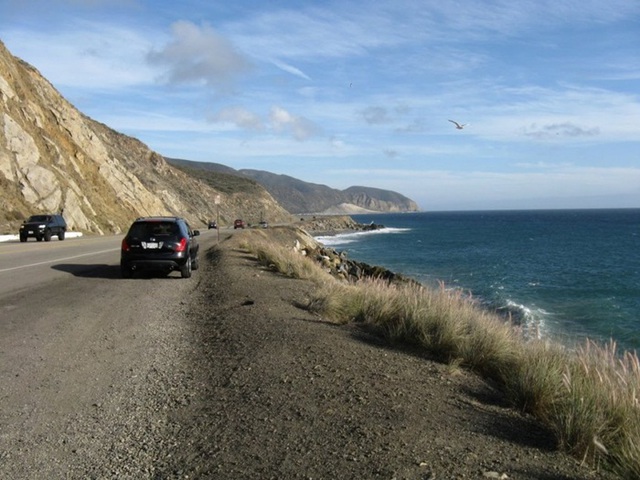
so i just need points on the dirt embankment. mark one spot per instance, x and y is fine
(286, 394)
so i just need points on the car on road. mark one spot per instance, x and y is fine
(263, 224)
(213, 224)
(238, 223)
(43, 227)
(160, 244)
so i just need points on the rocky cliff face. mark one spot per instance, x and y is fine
(379, 200)
(53, 158)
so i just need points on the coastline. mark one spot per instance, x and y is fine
(366, 408)
(405, 318)
(542, 268)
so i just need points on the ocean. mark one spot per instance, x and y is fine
(567, 275)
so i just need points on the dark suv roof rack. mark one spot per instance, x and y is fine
(158, 217)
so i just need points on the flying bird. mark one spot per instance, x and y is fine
(458, 126)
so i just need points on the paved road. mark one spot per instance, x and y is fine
(73, 332)
(24, 266)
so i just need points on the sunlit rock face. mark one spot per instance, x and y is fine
(53, 158)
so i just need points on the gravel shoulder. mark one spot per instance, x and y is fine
(237, 381)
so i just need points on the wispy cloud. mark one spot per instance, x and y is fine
(87, 55)
(290, 69)
(566, 129)
(240, 117)
(376, 115)
(314, 33)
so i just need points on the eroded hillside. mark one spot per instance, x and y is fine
(53, 158)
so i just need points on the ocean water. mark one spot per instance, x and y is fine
(563, 274)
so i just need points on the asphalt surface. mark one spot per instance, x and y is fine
(74, 338)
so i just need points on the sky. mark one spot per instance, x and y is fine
(345, 93)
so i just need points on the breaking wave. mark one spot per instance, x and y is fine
(351, 237)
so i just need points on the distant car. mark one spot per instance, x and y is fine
(238, 224)
(161, 244)
(213, 224)
(43, 227)
(264, 224)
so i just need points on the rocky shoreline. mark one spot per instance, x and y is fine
(331, 224)
(336, 262)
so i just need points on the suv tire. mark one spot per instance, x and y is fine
(47, 235)
(185, 271)
(61, 235)
(126, 271)
(23, 238)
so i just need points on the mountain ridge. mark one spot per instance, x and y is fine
(300, 197)
(55, 158)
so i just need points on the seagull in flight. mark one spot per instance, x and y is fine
(458, 126)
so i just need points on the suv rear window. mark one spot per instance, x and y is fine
(154, 229)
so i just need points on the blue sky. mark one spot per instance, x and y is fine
(357, 92)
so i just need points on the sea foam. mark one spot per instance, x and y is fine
(351, 237)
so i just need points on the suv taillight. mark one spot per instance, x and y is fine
(182, 245)
(125, 246)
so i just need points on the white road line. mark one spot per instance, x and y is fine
(57, 260)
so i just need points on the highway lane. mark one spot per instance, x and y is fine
(78, 345)
(27, 265)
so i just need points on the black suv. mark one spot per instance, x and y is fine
(159, 243)
(43, 227)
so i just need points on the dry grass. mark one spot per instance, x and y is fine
(588, 397)
(279, 259)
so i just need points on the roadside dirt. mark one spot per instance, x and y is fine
(236, 381)
(286, 394)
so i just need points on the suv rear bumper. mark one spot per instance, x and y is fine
(154, 264)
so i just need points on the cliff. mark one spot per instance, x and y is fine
(53, 158)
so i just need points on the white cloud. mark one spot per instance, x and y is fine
(283, 121)
(199, 54)
(314, 33)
